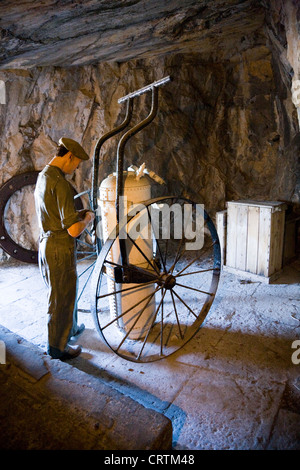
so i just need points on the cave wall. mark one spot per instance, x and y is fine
(226, 129)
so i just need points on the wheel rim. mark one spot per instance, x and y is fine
(7, 243)
(150, 319)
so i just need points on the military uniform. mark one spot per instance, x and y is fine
(54, 199)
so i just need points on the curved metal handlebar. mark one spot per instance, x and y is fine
(139, 92)
(121, 147)
(97, 149)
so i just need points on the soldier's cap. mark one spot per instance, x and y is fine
(74, 147)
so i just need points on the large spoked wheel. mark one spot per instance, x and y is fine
(155, 279)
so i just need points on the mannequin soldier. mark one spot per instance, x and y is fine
(60, 224)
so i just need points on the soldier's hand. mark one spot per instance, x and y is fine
(82, 213)
(90, 215)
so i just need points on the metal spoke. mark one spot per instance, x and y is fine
(195, 259)
(193, 288)
(175, 310)
(86, 257)
(130, 308)
(154, 339)
(131, 268)
(185, 304)
(127, 289)
(88, 232)
(188, 265)
(137, 319)
(86, 280)
(84, 243)
(161, 326)
(154, 317)
(194, 272)
(143, 254)
(160, 254)
(86, 269)
(177, 257)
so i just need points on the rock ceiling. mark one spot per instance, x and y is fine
(67, 32)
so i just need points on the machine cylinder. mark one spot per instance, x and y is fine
(136, 190)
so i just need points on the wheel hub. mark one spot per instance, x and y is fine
(167, 280)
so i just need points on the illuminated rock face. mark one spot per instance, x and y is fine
(227, 125)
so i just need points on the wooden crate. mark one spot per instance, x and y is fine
(254, 242)
(221, 223)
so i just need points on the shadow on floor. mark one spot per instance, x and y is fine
(174, 413)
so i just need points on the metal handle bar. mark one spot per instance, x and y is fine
(98, 146)
(81, 194)
(120, 159)
(120, 152)
(160, 82)
(113, 132)
(121, 147)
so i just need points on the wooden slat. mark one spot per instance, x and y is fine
(273, 242)
(241, 237)
(252, 241)
(264, 241)
(280, 238)
(221, 220)
(231, 235)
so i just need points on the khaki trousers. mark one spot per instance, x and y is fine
(58, 255)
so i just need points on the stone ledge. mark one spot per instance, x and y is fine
(49, 404)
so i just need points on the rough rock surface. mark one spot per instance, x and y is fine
(79, 33)
(227, 124)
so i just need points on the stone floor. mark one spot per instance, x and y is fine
(233, 386)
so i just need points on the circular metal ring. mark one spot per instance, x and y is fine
(6, 242)
(6, 191)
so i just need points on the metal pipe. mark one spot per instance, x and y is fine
(120, 161)
(160, 82)
(121, 147)
(81, 194)
(98, 146)
(96, 158)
